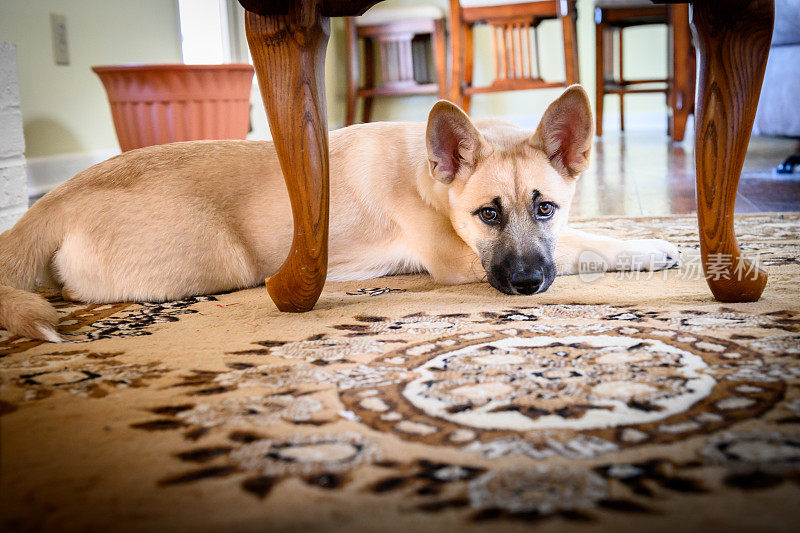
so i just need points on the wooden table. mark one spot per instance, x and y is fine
(288, 40)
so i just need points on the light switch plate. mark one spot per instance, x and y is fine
(58, 28)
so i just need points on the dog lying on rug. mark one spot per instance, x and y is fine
(464, 202)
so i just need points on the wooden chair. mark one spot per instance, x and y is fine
(395, 32)
(611, 18)
(515, 50)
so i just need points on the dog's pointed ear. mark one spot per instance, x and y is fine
(455, 146)
(566, 131)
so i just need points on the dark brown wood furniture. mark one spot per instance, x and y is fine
(288, 40)
(515, 45)
(394, 31)
(611, 18)
(732, 40)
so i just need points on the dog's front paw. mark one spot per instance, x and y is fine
(647, 254)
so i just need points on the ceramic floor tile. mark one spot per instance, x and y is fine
(644, 173)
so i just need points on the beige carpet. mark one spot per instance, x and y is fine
(626, 403)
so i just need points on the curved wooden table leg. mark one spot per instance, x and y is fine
(733, 39)
(289, 58)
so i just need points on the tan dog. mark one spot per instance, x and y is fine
(463, 202)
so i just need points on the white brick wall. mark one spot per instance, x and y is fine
(13, 196)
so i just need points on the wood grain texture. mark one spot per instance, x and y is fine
(732, 40)
(289, 57)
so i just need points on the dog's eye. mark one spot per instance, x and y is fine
(545, 210)
(489, 215)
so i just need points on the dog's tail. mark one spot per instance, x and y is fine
(25, 251)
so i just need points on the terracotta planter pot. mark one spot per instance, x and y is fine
(158, 104)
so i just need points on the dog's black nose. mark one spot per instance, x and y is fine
(526, 282)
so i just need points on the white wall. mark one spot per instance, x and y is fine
(13, 197)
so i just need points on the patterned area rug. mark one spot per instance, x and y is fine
(618, 402)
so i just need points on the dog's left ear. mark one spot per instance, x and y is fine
(455, 146)
(566, 131)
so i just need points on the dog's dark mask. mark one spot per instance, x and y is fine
(529, 272)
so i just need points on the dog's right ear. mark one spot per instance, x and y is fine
(455, 146)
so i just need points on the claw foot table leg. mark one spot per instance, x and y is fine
(733, 39)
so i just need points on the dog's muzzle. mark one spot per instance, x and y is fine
(522, 276)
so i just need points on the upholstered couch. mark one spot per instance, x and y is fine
(779, 108)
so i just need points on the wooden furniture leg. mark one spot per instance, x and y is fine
(469, 66)
(369, 79)
(733, 40)
(600, 76)
(621, 82)
(352, 70)
(681, 92)
(457, 44)
(567, 14)
(289, 57)
(439, 46)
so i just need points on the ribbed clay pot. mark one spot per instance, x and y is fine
(158, 104)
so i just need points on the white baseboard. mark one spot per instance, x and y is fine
(47, 173)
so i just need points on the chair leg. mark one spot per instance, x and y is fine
(567, 14)
(289, 58)
(457, 52)
(733, 40)
(352, 70)
(369, 78)
(599, 76)
(439, 43)
(469, 66)
(681, 94)
(621, 82)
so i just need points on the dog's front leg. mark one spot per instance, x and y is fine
(578, 251)
(445, 256)
(454, 264)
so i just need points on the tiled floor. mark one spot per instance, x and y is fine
(644, 173)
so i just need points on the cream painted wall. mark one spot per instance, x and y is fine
(64, 108)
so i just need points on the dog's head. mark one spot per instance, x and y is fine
(509, 189)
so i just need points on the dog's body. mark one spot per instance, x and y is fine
(170, 221)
